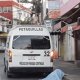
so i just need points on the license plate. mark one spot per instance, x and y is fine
(31, 58)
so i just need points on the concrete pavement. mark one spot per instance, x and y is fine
(69, 68)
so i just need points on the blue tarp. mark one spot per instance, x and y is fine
(55, 75)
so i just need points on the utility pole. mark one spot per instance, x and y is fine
(19, 14)
(43, 9)
(37, 9)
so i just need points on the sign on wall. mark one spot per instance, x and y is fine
(53, 8)
(54, 14)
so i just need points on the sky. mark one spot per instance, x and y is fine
(64, 1)
(51, 4)
(28, 5)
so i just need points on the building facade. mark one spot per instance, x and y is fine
(69, 39)
(11, 13)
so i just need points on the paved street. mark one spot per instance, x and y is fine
(70, 68)
(33, 32)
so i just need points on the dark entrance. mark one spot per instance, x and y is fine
(76, 35)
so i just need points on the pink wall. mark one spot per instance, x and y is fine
(68, 6)
(57, 26)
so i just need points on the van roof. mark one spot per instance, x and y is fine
(28, 29)
(15, 26)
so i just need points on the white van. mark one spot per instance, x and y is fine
(28, 50)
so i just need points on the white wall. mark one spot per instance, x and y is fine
(44, 8)
(55, 42)
(15, 13)
(69, 46)
(19, 14)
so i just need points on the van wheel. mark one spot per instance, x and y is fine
(44, 74)
(8, 74)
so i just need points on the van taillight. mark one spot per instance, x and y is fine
(10, 56)
(54, 54)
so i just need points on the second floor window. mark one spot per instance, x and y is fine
(5, 9)
(1, 10)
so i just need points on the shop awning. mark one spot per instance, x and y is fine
(76, 27)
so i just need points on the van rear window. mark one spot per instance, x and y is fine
(31, 42)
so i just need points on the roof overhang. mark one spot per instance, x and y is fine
(72, 15)
(4, 19)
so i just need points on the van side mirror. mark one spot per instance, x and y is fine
(78, 21)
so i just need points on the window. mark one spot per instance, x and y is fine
(1, 9)
(9, 9)
(23, 1)
(4, 9)
(31, 42)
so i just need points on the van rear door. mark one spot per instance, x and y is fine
(31, 50)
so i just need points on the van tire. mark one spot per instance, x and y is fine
(8, 74)
(4, 66)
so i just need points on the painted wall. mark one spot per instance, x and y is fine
(69, 46)
(55, 42)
